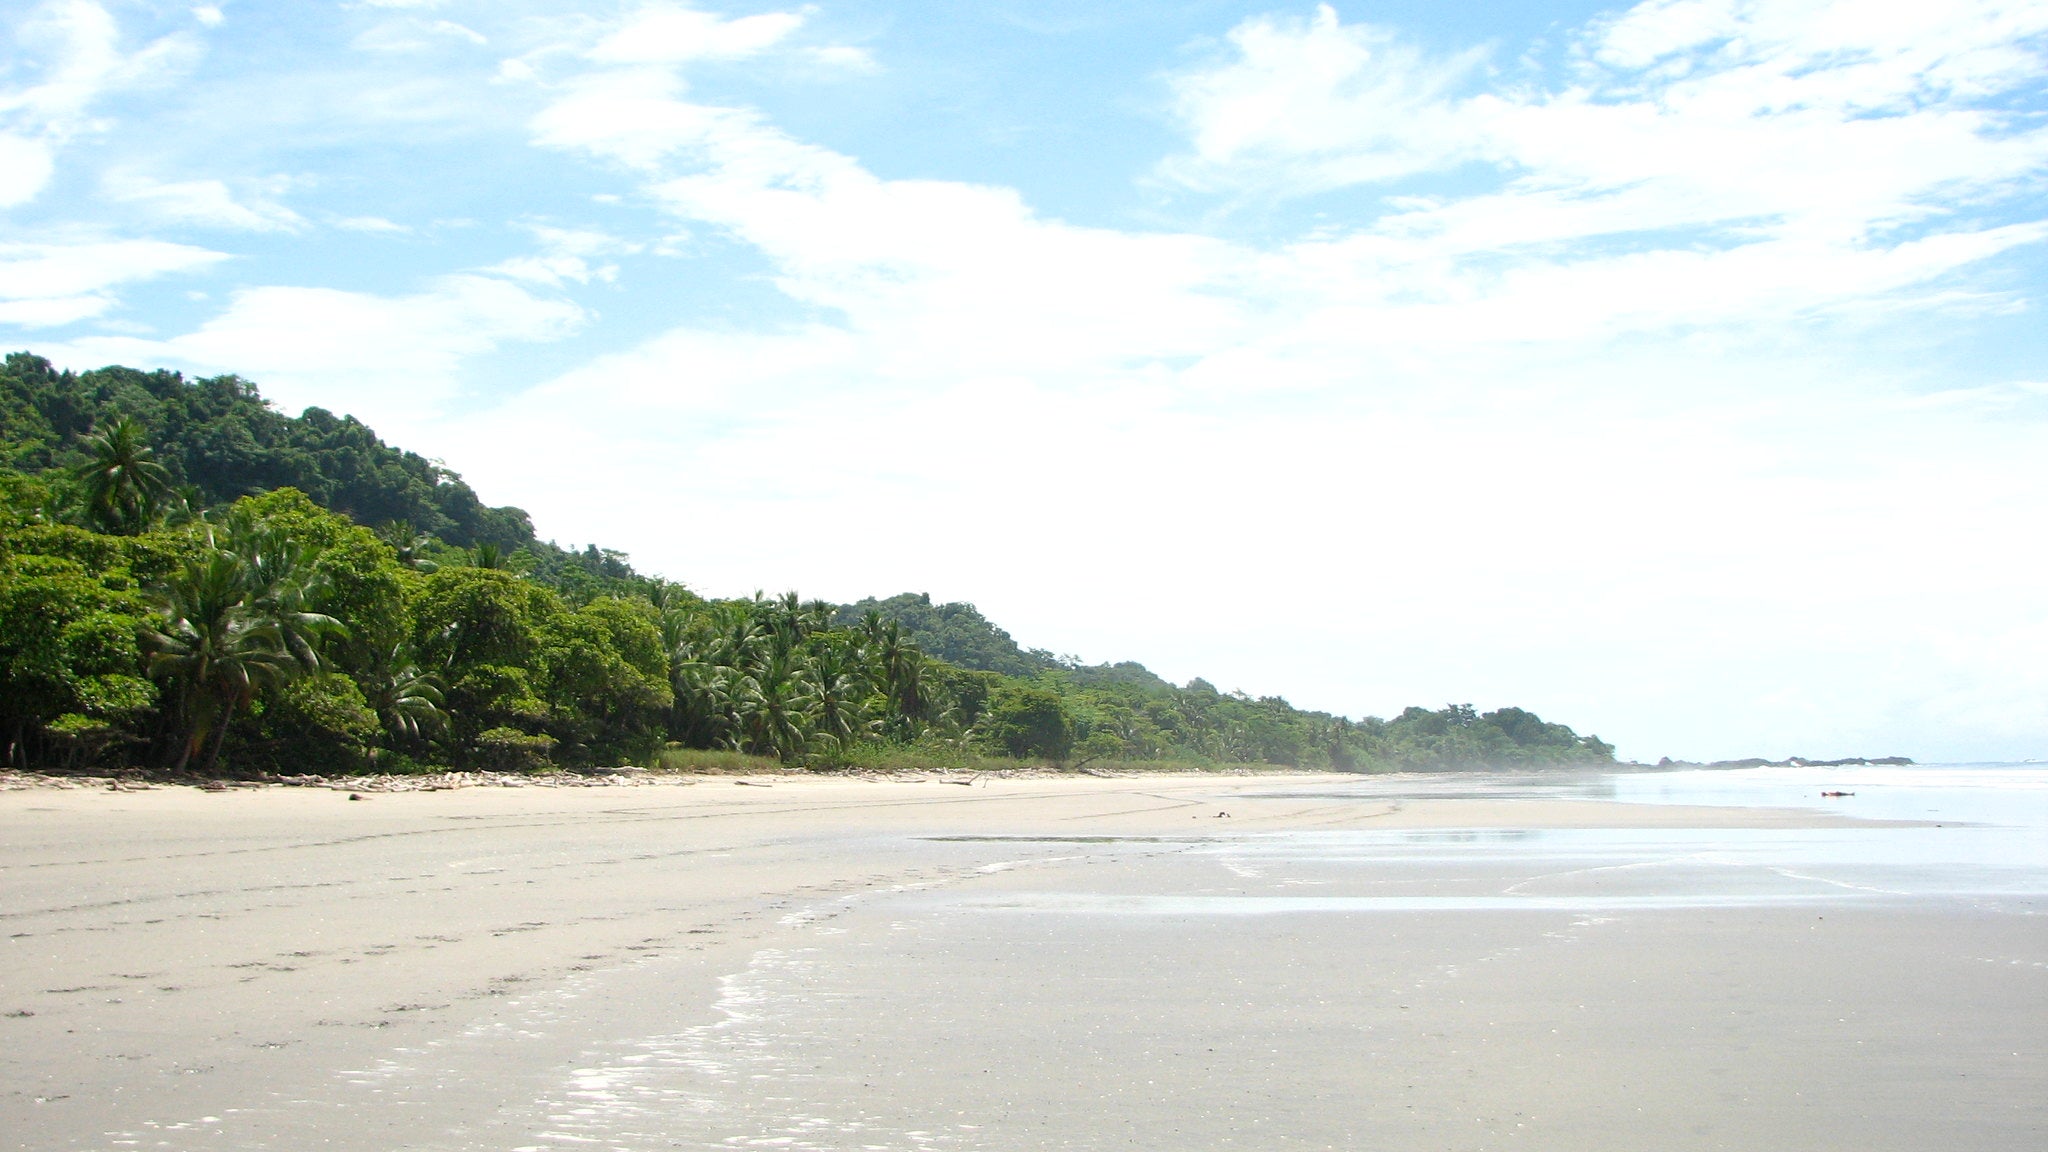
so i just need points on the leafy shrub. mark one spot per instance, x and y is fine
(510, 750)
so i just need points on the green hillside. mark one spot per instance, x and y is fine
(194, 581)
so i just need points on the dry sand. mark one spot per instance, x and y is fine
(866, 965)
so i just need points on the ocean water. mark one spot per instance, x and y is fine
(2002, 795)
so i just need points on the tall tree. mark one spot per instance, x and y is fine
(122, 484)
(232, 624)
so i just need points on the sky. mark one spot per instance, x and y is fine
(1676, 371)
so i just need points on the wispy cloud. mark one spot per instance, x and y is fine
(1702, 111)
(206, 203)
(1705, 162)
(678, 34)
(75, 46)
(1305, 106)
(45, 285)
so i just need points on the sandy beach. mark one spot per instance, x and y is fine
(1153, 962)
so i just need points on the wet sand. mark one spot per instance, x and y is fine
(1167, 962)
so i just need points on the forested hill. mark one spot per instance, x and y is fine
(955, 633)
(193, 580)
(219, 437)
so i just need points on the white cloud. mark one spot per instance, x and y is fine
(26, 165)
(676, 34)
(1316, 105)
(1755, 161)
(395, 361)
(209, 15)
(51, 284)
(631, 116)
(950, 274)
(207, 203)
(960, 275)
(1689, 113)
(74, 46)
(566, 255)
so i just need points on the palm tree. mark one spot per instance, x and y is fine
(185, 505)
(122, 484)
(409, 542)
(232, 624)
(830, 694)
(282, 577)
(774, 706)
(405, 698)
(898, 667)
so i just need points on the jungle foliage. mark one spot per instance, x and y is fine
(190, 579)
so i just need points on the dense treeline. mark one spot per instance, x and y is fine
(217, 440)
(191, 580)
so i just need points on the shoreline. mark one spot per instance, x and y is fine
(176, 954)
(452, 779)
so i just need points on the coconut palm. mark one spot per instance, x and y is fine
(405, 698)
(232, 624)
(409, 543)
(282, 577)
(122, 484)
(186, 505)
(829, 696)
(898, 669)
(773, 706)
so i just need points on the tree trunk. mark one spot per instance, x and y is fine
(220, 737)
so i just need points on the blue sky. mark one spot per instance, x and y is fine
(1675, 370)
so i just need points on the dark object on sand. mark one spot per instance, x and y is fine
(1838, 793)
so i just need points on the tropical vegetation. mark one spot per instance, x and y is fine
(193, 581)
